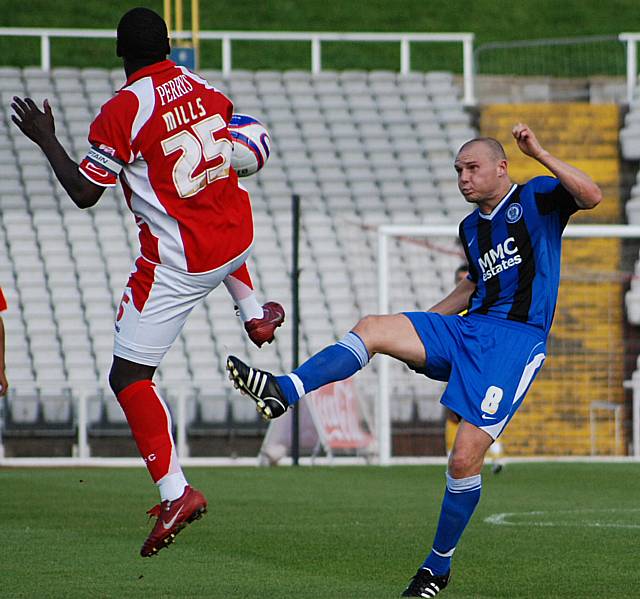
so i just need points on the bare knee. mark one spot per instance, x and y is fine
(368, 329)
(464, 463)
(124, 373)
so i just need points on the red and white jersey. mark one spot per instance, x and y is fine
(3, 302)
(165, 134)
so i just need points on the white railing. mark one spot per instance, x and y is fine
(631, 39)
(79, 398)
(315, 39)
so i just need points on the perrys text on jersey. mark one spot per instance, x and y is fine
(174, 88)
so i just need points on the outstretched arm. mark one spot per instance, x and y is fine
(457, 300)
(39, 127)
(586, 193)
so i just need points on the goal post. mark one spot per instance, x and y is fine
(578, 406)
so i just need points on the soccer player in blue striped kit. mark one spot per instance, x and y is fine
(491, 355)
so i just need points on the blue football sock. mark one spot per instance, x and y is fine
(460, 499)
(334, 363)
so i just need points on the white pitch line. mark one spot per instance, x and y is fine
(503, 518)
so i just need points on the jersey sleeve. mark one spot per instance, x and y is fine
(110, 140)
(552, 197)
(3, 301)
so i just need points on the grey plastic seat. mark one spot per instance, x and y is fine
(360, 148)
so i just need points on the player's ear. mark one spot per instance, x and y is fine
(502, 168)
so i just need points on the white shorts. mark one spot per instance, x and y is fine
(155, 305)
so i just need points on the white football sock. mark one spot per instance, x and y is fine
(297, 383)
(244, 297)
(172, 486)
(249, 308)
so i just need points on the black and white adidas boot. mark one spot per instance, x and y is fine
(260, 386)
(426, 584)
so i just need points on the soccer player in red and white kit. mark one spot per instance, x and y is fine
(164, 134)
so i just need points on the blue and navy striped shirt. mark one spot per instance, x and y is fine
(514, 252)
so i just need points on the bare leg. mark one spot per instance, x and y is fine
(392, 335)
(469, 449)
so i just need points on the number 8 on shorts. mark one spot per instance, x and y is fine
(492, 399)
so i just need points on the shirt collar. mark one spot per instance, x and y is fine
(496, 209)
(151, 69)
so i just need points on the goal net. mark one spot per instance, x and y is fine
(579, 405)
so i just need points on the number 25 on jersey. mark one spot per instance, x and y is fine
(197, 144)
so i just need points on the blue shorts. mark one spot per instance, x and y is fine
(489, 364)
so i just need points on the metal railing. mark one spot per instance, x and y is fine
(555, 57)
(469, 57)
(77, 425)
(627, 62)
(315, 39)
(631, 39)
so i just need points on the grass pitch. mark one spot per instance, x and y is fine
(541, 530)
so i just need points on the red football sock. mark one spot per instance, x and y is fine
(150, 424)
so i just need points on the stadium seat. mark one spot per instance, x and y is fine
(22, 413)
(213, 410)
(360, 148)
(57, 411)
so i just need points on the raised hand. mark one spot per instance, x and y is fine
(527, 140)
(37, 125)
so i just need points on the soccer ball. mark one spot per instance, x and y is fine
(251, 144)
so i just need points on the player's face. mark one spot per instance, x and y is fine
(480, 175)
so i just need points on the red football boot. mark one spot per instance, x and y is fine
(261, 330)
(172, 517)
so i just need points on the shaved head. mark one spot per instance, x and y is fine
(482, 169)
(492, 145)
